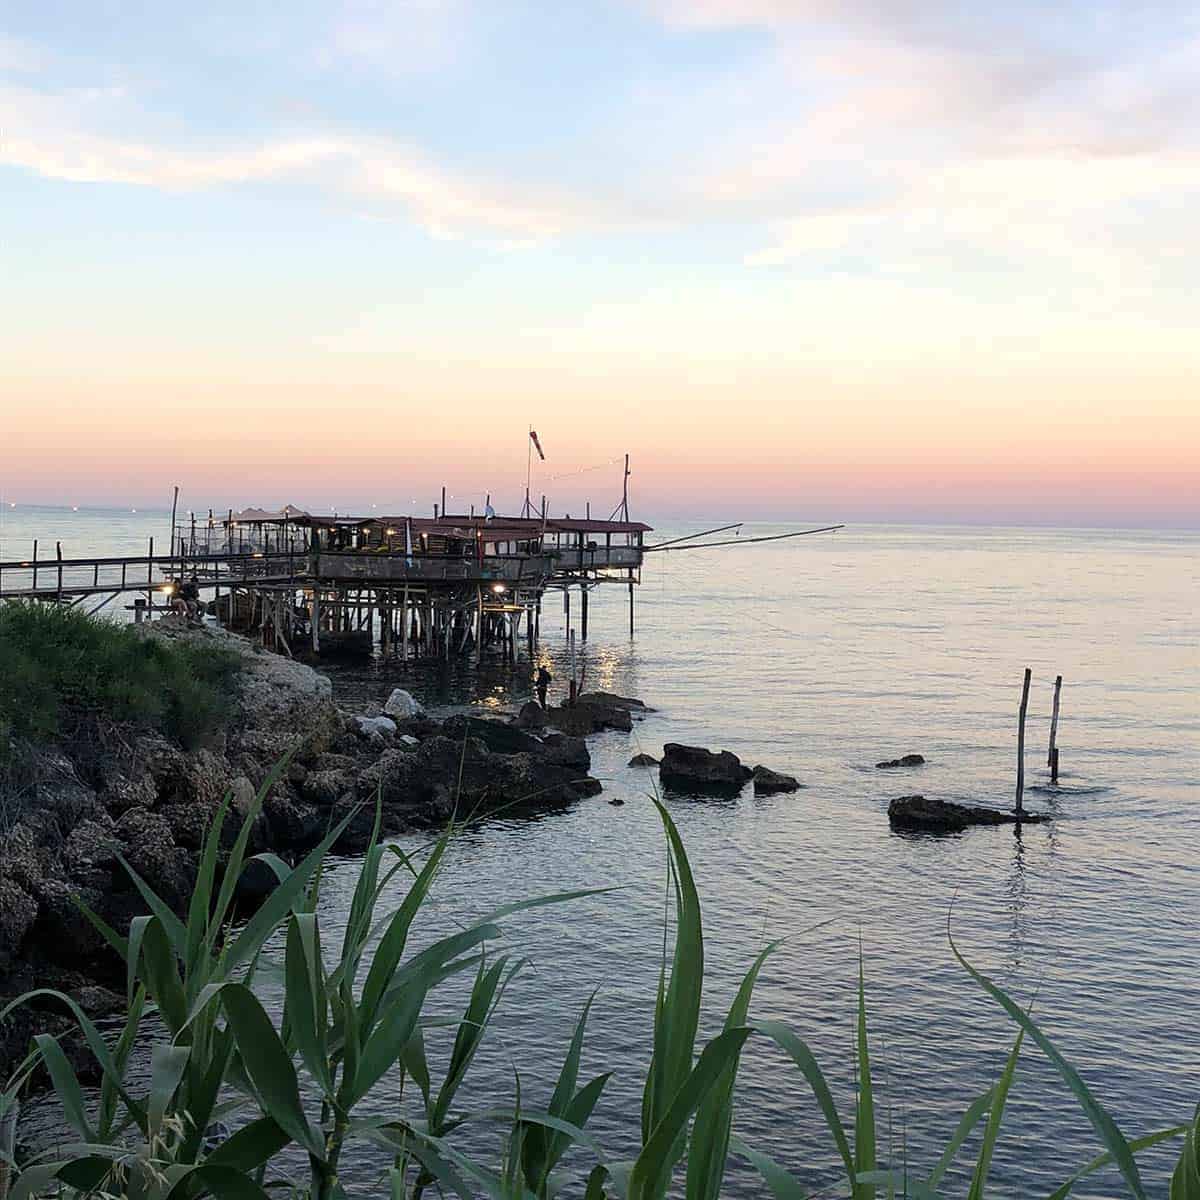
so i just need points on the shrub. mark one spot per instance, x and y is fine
(62, 670)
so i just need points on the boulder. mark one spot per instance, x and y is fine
(126, 786)
(582, 718)
(943, 816)
(150, 850)
(692, 768)
(907, 760)
(617, 802)
(291, 821)
(89, 853)
(531, 716)
(643, 760)
(390, 778)
(401, 705)
(18, 911)
(323, 788)
(61, 924)
(564, 750)
(282, 703)
(769, 783)
(612, 700)
(374, 729)
(497, 736)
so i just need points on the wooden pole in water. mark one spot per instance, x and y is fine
(1021, 740)
(479, 617)
(583, 613)
(1054, 720)
(58, 555)
(631, 610)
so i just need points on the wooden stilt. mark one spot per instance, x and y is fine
(631, 610)
(583, 613)
(1021, 740)
(479, 618)
(1054, 721)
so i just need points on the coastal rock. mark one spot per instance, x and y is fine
(580, 719)
(907, 760)
(291, 821)
(151, 851)
(204, 779)
(942, 816)
(389, 777)
(531, 716)
(401, 705)
(323, 788)
(643, 760)
(693, 768)
(18, 911)
(612, 700)
(375, 729)
(89, 853)
(497, 736)
(127, 785)
(769, 783)
(61, 924)
(617, 802)
(282, 703)
(564, 750)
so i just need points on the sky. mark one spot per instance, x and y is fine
(822, 259)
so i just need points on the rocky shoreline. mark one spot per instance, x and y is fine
(139, 799)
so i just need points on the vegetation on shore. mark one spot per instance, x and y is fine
(63, 672)
(355, 1022)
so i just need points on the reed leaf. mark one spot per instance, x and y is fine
(709, 1150)
(650, 1177)
(976, 1111)
(1185, 1181)
(1106, 1128)
(677, 1008)
(1103, 1160)
(268, 1066)
(991, 1133)
(864, 1113)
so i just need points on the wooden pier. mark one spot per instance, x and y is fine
(442, 586)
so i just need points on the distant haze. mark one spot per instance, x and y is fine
(802, 261)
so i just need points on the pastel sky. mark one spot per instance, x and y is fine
(827, 259)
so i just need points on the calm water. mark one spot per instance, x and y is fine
(819, 657)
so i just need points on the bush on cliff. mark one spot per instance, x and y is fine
(61, 670)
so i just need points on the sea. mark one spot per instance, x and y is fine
(821, 656)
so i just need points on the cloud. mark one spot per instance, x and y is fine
(388, 178)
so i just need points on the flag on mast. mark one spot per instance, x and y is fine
(537, 445)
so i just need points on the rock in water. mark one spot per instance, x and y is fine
(498, 736)
(942, 816)
(768, 782)
(531, 716)
(580, 718)
(401, 705)
(612, 700)
(692, 768)
(643, 760)
(908, 760)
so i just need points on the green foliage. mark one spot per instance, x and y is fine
(355, 1025)
(60, 668)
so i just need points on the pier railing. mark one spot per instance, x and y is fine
(59, 578)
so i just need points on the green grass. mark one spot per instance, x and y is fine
(62, 671)
(353, 1024)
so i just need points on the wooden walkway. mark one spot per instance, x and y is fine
(71, 580)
